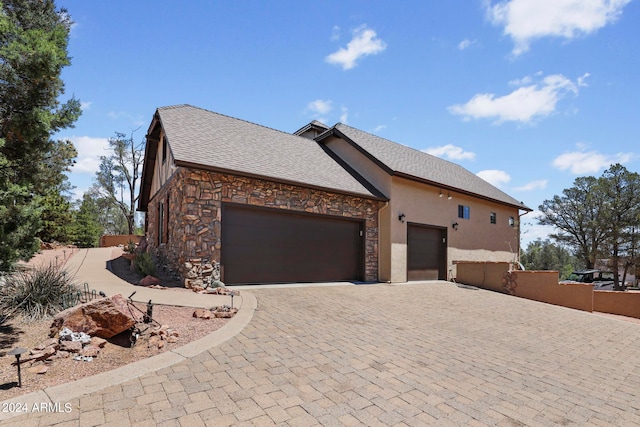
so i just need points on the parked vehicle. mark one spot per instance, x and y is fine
(602, 280)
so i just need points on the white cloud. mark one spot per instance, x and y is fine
(524, 104)
(335, 33)
(379, 128)
(450, 151)
(344, 117)
(89, 151)
(533, 185)
(582, 80)
(78, 193)
(531, 230)
(320, 107)
(466, 43)
(135, 120)
(85, 105)
(584, 162)
(494, 177)
(363, 43)
(527, 20)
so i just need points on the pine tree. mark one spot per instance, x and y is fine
(33, 52)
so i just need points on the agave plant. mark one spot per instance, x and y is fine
(36, 293)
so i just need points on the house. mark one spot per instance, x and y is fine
(322, 204)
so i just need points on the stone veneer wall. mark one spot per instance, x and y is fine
(194, 224)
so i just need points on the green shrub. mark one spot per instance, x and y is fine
(144, 264)
(130, 248)
(35, 293)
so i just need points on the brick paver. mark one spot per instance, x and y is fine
(389, 355)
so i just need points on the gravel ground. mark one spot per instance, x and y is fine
(19, 333)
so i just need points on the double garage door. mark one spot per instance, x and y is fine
(261, 245)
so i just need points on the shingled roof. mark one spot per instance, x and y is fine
(203, 139)
(410, 163)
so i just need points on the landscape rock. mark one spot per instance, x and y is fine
(154, 341)
(71, 346)
(149, 281)
(40, 369)
(90, 351)
(224, 312)
(67, 334)
(98, 342)
(104, 318)
(201, 313)
(51, 342)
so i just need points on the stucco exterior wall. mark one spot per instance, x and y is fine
(361, 163)
(540, 286)
(485, 275)
(192, 202)
(543, 286)
(476, 239)
(621, 303)
(119, 239)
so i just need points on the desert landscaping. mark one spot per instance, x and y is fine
(53, 358)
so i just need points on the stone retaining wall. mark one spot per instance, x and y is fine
(192, 201)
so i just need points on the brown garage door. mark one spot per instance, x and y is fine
(426, 252)
(270, 246)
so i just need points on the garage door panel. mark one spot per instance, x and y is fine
(272, 246)
(426, 253)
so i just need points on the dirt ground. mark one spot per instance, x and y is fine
(17, 332)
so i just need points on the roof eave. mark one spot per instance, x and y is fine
(520, 205)
(149, 163)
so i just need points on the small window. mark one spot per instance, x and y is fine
(512, 221)
(166, 219)
(164, 149)
(492, 218)
(464, 212)
(160, 223)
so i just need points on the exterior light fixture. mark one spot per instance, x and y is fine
(401, 217)
(17, 352)
(232, 294)
(449, 196)
(454, 225)
(441, 195)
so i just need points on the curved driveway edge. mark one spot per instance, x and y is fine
(414, 355)
(76, 389)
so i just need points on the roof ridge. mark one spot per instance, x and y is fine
(402, 145)
(231, 117)
(390, 161)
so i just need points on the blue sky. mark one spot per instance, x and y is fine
(528, 94)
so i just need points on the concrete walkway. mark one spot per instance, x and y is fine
(406, 355)
(90, 266)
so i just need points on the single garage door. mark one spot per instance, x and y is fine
(261, 245)
(426, 252)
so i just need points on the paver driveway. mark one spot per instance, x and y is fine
(429, 354)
